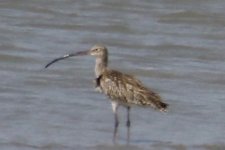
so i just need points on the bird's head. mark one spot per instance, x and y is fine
(99, 51)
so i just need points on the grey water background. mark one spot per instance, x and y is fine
(176, 47)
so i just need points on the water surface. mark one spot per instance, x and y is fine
(174, 47)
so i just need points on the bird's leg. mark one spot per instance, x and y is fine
(116, 123)
(128, 124)
(115, 127)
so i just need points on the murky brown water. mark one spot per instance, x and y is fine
(176, 47)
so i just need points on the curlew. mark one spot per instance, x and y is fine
(122, 89)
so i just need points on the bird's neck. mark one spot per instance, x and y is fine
(100, 65)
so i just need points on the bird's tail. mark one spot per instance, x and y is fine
(162, 106)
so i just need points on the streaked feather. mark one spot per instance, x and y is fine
(127, 90)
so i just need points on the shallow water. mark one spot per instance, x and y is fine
(174, 47)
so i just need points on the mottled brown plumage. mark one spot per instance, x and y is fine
(122, 89)
(127, 90)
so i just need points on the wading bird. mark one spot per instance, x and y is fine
(122, 89)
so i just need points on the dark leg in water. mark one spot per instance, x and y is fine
(116, 123)
(128, 125)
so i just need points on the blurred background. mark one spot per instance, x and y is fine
(176, 47)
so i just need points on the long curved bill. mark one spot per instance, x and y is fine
(82, 53)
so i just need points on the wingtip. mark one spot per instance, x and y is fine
(164, 107)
